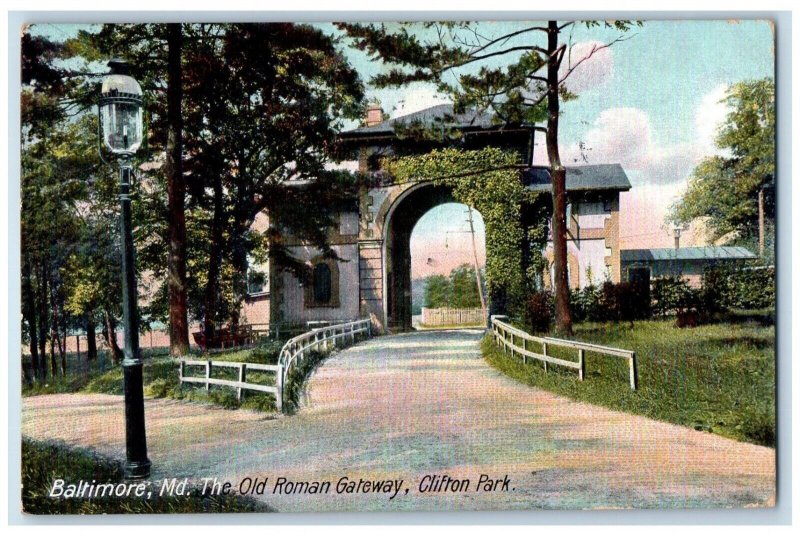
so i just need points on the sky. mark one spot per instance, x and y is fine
(442, 240)
(650, 103)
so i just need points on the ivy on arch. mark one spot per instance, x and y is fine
(488, 180)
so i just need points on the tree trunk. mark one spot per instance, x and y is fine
(110, 335)
(559, 179)
(239, 262)
(62, 343)
(91, 339)
(54, 332)
(30, 314)
(53, 362)
(42, 305)
(214, 262)
(176, 192)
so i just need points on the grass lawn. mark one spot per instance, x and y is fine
(161, 379)
(718, 378)
(451, 326)
(80, 371)
(42, 463)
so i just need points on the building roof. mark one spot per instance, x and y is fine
(686, 254)
(580, 178)
(429, 116)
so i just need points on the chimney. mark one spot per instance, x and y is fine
(677, 230)
(374, 114)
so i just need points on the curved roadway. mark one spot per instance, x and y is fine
(425, 403)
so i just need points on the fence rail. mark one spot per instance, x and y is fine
(240, 385)
(510, 338)
(293, 353)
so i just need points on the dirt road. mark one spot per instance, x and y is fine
(419, 404)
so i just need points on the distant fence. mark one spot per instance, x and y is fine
(153, 342)
(448, 316)
(516, 340)
(293, 353)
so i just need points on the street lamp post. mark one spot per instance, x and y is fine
(120, 124)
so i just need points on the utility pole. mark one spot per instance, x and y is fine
(477, 268)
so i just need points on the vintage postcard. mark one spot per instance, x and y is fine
(431, 266)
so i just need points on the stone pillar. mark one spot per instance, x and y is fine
(370, 269)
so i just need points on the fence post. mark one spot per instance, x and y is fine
(242, 378)
(544, 351)
(524, 349)
(582, 363)
(279, 386)
(208, 375)
(633, 371)
(181, 371)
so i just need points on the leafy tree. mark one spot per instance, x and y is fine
(526, 90)
(259, 108)
(725, 188)
(264, 104)
(438, 291)
(155, 52)
(53, 166)
(465, 288)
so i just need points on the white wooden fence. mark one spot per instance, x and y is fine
(293, 353)
(516, 340)
(448, 316)
(240, 385)
(296, 349)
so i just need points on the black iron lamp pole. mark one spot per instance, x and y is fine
(121, 127)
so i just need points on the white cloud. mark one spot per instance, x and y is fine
(710, 115)
(596, 69)
(657, 171)
(417, 99)
(625, 136)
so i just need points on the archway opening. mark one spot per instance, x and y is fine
(429, 236)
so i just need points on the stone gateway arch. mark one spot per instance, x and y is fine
(372, 277)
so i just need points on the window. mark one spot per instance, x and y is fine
(257, 278)
(256, 282)
(607, 205)
(322, 286)
(322, 283)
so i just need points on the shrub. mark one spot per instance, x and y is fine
(671, 295)
(160, 388)
(714, 290)
(539, 311)
(585, 304)
(758, 424)
(611, 302)
(738, 287)
(751, 287)
(633, 300)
